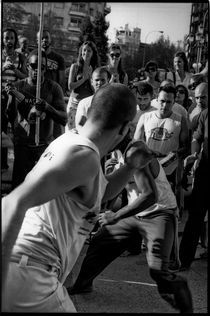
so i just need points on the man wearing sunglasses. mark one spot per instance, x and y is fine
(52, 108)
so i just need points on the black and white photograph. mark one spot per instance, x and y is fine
(104, 157)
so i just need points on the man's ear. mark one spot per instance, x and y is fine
(123, 128)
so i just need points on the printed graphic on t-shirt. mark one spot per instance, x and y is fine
(52, 64)
(160, 133)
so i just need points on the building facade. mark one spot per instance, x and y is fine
(196, 43)
(63, 19)
(128, 39)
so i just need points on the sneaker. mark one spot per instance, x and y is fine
(75, 290)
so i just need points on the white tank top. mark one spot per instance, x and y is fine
(54, 233)
(166, 199)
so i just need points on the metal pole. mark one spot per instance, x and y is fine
(38, 84)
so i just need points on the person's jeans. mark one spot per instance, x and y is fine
(196, 214)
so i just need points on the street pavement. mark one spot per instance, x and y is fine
(125, 286)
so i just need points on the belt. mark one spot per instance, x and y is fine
(26, 261)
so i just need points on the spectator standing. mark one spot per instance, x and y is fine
(100, 76)
(182, 96)
(13, 69)
(151, 70)
(177, 108)
(199, 198)
(144, 95)
(13, 62)
(201, 104)
(181, 74)
(49, 216)
(23, 43)
(51, 105)
(166, 132)
(55, 71)
(151, 212)
(79, 81)
(114, 66)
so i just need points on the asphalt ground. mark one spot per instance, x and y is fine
(125, 286)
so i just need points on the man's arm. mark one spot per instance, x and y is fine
(56, 110)
(62, 79)
(139, 132)
(147, 197)
(183, 139)
(81, 115)
(53, 175)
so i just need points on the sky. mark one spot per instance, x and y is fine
(172, 18)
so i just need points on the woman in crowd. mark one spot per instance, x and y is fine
(79, 81)
(181, 74)
(151, 71)
(115, 65)
(182, 96)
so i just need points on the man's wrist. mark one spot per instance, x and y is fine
(195, 154)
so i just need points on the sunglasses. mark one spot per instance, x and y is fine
(34, 66)
(181, 91)
(192, 86)
(116, 55)
(151, 69)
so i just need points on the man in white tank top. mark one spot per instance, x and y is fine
(151, 211)
(46, 220)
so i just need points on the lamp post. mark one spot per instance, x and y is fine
(146, 41)
(198, 41)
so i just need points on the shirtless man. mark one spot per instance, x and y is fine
(46, 220)
(151, 212)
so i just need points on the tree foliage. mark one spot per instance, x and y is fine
(162, 51)
(101, 39)
(11, 13)
(87, 31)
(96, 32)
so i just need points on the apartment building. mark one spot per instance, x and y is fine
(128, 39)
(196, 45)
(67, 17)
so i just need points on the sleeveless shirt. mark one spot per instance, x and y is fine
(54, 233)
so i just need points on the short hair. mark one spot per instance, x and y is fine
(35, 52)
(15, 33)
(184, 58)
(151, 63)
(138, 147)
(112, 105)
(102, 70)
(144, 87)
(168, 88)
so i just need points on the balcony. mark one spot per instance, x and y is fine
(73, 27)
(78, 12)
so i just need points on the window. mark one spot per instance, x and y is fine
(59, 5)
(78, 7)
(75, 22)
(58, 21)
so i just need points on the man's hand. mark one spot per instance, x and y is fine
(8, 65)
(107, 218)
(41, 105)
(9, 87)
(190, 160)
